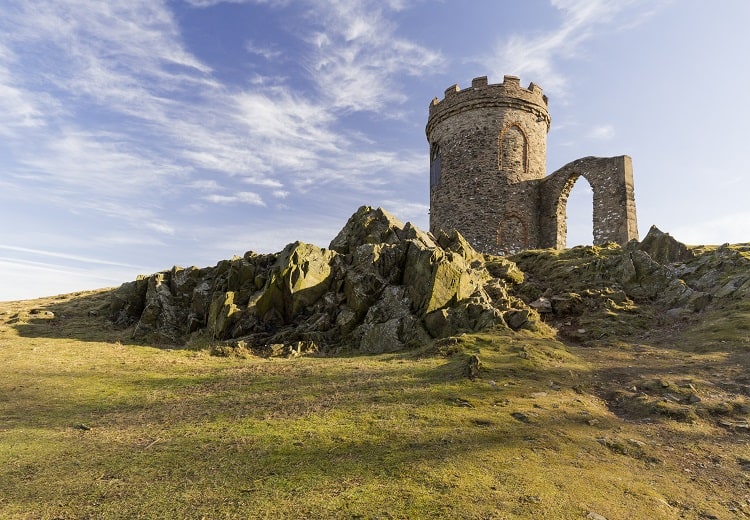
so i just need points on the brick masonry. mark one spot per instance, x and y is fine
(488, 146)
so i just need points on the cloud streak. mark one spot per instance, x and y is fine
(358, 56)
(64, 256)
(540, 56)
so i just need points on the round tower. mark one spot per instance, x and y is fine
(488, 146)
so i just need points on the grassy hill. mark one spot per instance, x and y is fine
(640, 414)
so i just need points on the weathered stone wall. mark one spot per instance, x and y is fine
(488, 148)
(611, 180)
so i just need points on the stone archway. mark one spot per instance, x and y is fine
(611, 180)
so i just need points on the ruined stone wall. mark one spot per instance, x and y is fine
(611, 180)
(487, 147)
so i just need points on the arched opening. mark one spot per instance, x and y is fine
(513, 152)
(576, 206)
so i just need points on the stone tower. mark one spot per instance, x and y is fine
(488, 146)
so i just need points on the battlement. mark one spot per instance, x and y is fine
(509, 94)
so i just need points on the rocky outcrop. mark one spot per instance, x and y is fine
(592, 292)
(663, 248)
(381, 286)
(722, 272)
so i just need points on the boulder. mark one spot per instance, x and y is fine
(663, 248)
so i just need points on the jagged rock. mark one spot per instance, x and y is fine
(502, 268)
(381, 286)
(722, 273)
(517, 319)
(367, 226)
(298, 279)
(567, 304)
(454, 242)
(541, 305)
(159, 315)
(473, 365)
(222, 314)
(663, 248)
(126, 305)
(437, 278)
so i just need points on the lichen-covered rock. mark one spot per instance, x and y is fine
(300, 276)
(159, 313)
(437, 278)
(502, 268)
(367, 226)
(222, 315)
(126, 305)
(663, 248)
(723, 272)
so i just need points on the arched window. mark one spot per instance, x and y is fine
(514, 151)
(436, 165)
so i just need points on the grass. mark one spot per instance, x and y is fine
(95, 426)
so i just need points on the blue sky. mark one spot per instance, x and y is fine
(140, 134)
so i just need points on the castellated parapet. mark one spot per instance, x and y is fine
(488, 146)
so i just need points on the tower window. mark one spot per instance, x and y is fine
(436, 165)
(513, 151)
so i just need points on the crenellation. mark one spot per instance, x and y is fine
(452, 90)
(488, 172)
(479, 82)
(511, 82)
(482, 95)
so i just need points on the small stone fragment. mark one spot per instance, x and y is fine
(472, 367)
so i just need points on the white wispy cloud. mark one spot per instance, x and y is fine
(266, 51)
(17, 108)
(415, 212)
(539, 56)
(205, 185)
(243, 197)
(358, 55)
(33, 279)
